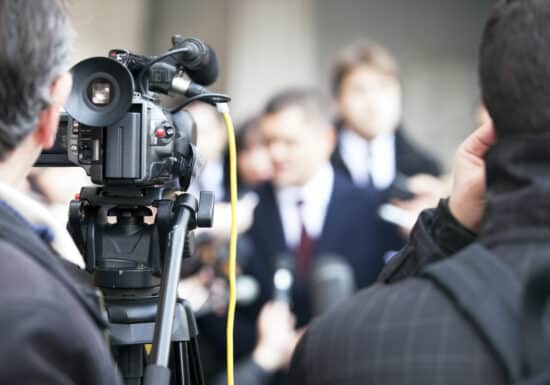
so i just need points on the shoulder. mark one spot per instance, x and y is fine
(21, 275)
(51, 343)
(384, 329)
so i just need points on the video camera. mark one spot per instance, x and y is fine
(114, 126)
(143, 157)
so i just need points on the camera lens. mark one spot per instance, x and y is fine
(100, 92)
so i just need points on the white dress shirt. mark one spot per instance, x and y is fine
(315, 197)
(363, 158)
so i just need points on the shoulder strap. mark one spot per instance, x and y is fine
(488, 294)
(534, 342)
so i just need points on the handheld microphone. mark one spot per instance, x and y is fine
(283, 278)
(331, 282)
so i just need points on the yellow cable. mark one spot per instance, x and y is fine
(232, 240)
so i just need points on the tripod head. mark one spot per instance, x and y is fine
(120, 249)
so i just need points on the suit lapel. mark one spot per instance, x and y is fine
(333, 219)
(270, 229)
(338, 162)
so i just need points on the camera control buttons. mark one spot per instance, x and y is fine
(160, 132)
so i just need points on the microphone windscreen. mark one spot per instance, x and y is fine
(283, 278)
(207, 72)
(331, 282)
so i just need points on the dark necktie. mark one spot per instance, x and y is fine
(370, 165)
(305, 247)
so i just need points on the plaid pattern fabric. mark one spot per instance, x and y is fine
(402, 334)
(407, 331)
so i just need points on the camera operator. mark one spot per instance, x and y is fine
(51, 324)
(415, 330)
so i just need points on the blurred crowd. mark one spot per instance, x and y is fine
(329, 189)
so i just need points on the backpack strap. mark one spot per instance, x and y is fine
(534, 342)
(488, 294)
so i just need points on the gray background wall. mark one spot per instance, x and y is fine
(265, 45)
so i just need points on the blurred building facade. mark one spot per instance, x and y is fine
(264, 46)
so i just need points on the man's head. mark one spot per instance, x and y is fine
(35, 38)
(299, 135)
(367, 89)
(515, 66)
(211, 138)
(253, 160)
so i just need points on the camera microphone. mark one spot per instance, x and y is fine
(199, 59)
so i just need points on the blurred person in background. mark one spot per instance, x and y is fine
(253, 161)
(56, 187)
(372, 149)
(211, 141)
(485, 320)
(205, 285)
(306, 211)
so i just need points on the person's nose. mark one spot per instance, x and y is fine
(277, 151)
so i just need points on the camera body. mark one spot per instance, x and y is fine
(114, 125)
(145, 147)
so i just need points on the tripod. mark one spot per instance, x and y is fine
(137, 266)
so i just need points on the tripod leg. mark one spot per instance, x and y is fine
(181, 363)
(130, 362)
(195, 362)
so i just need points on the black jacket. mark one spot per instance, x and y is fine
(404, 330)
(52, 329)
(409, 159)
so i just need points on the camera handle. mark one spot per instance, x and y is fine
(188, 215)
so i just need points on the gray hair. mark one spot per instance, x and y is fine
(35, 40)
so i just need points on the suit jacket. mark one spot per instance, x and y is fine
(410, 159)
(351, 230)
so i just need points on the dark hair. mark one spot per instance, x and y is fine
(364, 53)
(248, 129)
(35, 37)
(514, 66)
(310, 101)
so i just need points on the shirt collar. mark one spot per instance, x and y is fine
(41, 221)
(360, 155)
(317, 189)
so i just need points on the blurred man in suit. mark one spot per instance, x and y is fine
(372, 148)
(307, 211)
(411, 330)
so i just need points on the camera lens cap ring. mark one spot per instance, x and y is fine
(112, 75)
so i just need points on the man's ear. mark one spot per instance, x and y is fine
(49, 118)
(330, 139)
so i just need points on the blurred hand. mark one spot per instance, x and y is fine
(467, 200)
(427, 190)
(276, 337)
(245, 216)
